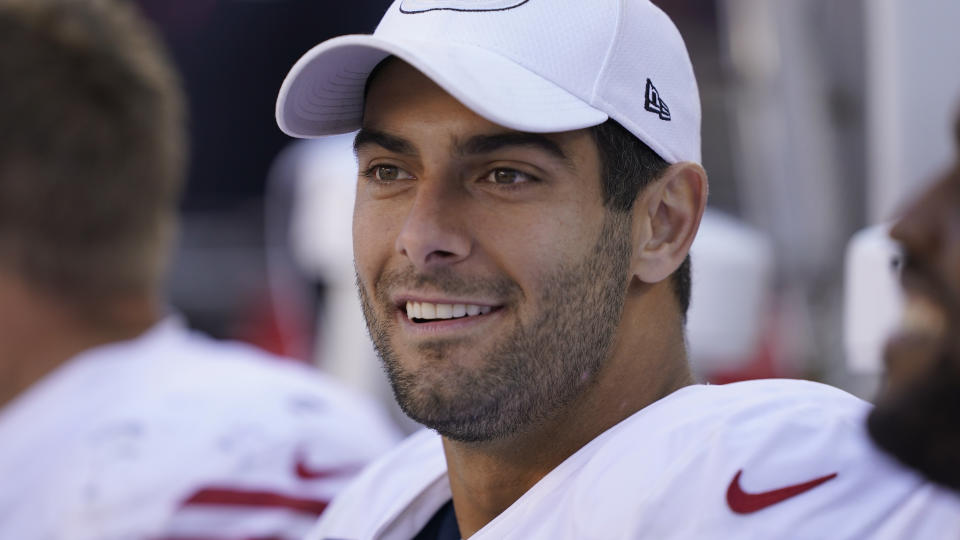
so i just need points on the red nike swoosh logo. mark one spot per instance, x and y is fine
(304, 472)
(742, 502)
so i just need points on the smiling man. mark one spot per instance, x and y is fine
(495, 298)
(529, 190)
(918, 417)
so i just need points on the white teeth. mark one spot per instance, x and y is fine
(429, 311)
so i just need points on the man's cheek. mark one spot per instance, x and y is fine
(910, 360)
(364, 260)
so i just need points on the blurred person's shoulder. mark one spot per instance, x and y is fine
(231, 393)
(173, 425)
(171, 372)
(757, 459)
(190, 363)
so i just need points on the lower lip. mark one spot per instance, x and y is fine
(446, 327)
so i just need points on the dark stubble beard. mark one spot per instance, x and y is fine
(918, 421)
(530, 374)
(920, 425)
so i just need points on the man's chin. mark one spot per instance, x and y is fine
(918, 424)
(463, 418)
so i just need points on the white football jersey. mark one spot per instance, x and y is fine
(753, 460)
(173, 436)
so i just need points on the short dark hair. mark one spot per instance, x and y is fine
(91, 148)
(629, 166)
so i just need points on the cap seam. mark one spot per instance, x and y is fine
(606, 57)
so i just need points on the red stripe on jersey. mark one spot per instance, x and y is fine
(262, 499)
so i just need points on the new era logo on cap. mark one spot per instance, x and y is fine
(654, 103)
(422, 6)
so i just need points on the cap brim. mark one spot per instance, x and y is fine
(323, 93)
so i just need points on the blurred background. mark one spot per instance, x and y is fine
(820, 117)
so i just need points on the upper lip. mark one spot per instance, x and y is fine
(401, 300)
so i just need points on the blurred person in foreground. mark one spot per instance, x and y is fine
(115, 420)
(529, 188)
(917, 417)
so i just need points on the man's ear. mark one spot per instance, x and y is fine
(666, 217)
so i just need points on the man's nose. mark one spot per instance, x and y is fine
(435, 231)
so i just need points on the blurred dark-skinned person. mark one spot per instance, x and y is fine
(917, 417)
(116, 421)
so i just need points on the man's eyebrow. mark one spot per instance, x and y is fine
(485, 144)
(392, 143)
(478, 144)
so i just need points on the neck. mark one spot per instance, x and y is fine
(647, 363)
(39, 332)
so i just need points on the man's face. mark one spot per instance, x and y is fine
(918, 415)
(491, 275)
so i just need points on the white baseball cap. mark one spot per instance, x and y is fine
(531, 65)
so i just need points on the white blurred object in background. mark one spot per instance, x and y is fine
(873, 299)
(733, 267)
(320, 230)
(914, 91)
(324, 173)
(321, 240)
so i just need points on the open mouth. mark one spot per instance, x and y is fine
(426, 312)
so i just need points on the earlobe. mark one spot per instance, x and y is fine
(666, 218)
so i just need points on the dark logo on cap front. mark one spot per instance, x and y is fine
(654, 103)
(423, 6)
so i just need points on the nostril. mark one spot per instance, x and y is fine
(439, 255)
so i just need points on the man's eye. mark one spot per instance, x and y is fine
(508, 176)
(386, 173)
